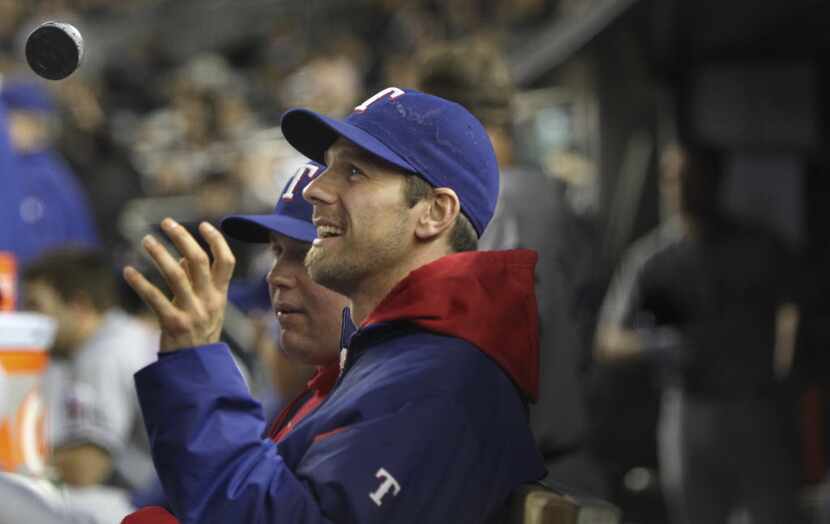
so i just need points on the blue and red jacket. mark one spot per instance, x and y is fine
(426, 423)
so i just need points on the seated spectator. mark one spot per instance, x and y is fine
(94, 423)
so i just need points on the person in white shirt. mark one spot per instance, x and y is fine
(94, 424)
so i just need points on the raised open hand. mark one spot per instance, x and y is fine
(194, 317)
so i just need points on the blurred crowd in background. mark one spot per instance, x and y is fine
(175, 112)
(167, 107)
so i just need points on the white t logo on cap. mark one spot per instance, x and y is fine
(308, 170)
(394, 92)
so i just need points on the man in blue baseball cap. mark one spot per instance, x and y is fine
(428, 420)
(308, 313)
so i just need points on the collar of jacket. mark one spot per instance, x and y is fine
(486, 298)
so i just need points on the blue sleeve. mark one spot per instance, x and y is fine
(204, 428)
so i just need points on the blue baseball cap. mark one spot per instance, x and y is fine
(423, 134)
(291, 216)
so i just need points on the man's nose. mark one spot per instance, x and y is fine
(279, 278)
(320, 190)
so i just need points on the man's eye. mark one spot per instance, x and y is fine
(355, 172)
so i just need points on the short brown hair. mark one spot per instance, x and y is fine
(472, 72)
(74, 272)
(463, 236)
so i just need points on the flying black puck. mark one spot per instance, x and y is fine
(54, 50)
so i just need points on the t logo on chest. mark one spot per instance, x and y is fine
(389, 483)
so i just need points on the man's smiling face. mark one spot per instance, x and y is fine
(364, 225)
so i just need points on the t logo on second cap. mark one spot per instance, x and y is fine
(308, 170)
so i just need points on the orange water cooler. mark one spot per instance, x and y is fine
(8, 281)
(24, 342)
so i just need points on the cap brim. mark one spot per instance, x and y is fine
(312, 134)
(258, 228)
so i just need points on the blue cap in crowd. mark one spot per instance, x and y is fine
(291, 216)
(26, 95)
(419, 133)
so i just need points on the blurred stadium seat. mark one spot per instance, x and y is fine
(539, 504)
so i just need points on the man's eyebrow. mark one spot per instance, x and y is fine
(352, 155)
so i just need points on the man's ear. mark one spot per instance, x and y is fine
(438, 215)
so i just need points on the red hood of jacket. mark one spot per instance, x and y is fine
(484, 297)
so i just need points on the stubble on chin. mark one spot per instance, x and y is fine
(323, 269)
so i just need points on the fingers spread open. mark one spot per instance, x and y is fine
(150, 294)
(223, 259)
(198, 264)
(170, 269)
